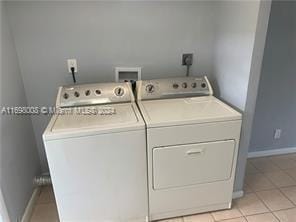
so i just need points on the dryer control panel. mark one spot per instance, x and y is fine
(93, 94)
(178, 87)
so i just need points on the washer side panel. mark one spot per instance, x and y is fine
(101, 177)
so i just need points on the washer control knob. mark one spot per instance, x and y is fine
(193, 85)
(76, 94)
(203, 85)
(66, 95)
(87, 92)
(184, 85)
(119, 91)
(150, 88)
(98, 92)
(175, 85)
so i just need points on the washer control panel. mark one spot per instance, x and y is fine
(92, 94)
(173, 88)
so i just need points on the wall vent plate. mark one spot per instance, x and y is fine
(127, 74)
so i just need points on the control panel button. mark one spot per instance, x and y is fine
(175, 85)
(203, 85)
(193, 85)
(76, 94)
(119, 91)
(184, 85)
(150, 88)
(87, 92)
(98, 92)
(66, 95)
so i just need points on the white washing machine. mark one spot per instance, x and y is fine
(192, 146)
(96, 151)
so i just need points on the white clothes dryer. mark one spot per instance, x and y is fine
(192, 146)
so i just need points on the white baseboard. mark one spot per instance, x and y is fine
(272, 152)
(30, 206)
(237, 194)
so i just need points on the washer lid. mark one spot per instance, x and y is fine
(101, 117)
(192, 110)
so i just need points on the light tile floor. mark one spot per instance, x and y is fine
(270, 196)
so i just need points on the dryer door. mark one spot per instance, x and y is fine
(183, 165)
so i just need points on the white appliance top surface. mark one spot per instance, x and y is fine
(113, 118)
(107, 116)
(186, 111)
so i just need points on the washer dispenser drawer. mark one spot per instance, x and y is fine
(183, 165)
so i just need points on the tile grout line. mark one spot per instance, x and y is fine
(280, 209)
(287, 196)
(269, 211)
(279, 169)
(262, 202)
(268, 159)
(283, 171)
(263, 173)
(240, 211)
(289, 174)
(212, 217)
(230, 219)
(272, 211)
(290, 208)
(287, 158)
(278, 188)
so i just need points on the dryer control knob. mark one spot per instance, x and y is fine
(76, 94)
(150, 88)
(87, 92)
(98, 92)
(203, 85)
(184, 85)
(66, 95)
(119, 91)
(175, 85)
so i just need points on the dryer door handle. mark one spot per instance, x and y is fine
(194, 151)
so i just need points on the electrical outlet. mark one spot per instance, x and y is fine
(187, 59)
(72, 63)
(277, 134)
